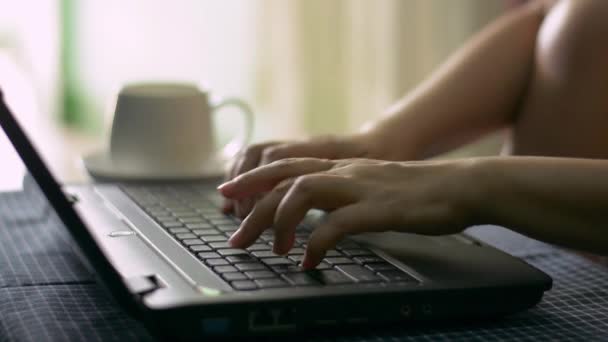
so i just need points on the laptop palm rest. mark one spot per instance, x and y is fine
(448, 261)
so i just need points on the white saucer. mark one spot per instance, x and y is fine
(99, 164)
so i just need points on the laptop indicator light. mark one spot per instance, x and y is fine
(208, 291)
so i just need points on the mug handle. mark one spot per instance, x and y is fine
(235, 145)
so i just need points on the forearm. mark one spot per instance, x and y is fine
(562, 201)
(477, 90)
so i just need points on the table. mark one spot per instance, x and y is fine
(47, 294)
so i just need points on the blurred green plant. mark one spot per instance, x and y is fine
(77, 109)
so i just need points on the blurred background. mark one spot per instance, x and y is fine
(307, 67)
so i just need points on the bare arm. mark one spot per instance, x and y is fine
(476, 91)
(559, 200)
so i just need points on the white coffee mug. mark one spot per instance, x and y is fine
(165, 129)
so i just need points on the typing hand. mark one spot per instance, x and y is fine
(331, 147)
(360, 195)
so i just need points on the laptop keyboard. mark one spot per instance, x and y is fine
(191, 215)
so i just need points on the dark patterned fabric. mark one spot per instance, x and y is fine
(46, 294)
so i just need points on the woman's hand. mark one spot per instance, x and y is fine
(329, 147)
(361, 195)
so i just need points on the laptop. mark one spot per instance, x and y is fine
(161, 250)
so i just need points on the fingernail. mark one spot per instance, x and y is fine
(234, 239)
(233, 242)
(226, 187)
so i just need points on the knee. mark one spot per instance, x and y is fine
(573, 39)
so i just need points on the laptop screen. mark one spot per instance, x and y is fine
(59, 201)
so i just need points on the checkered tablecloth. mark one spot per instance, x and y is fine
(46, 293)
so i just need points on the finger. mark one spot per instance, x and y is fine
(244, 207)
(227, 204)
(348, 220)
(260, 218)
(266, 177)
(248, 160)
(316, 191)
(316, 148)
(248, 204)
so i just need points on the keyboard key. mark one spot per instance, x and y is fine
(296, 251)
(225, 269)
(167, 219)
(228, 228)
(171, 224)
(178, 230)
(286, 268)
(267, 238)
(216, 262)
(347, 244)
(232, 251)
(234, 276)
(191, 220)
(214, 238)
(260, 274)
(204, 208)
(323, 266)
(250, 266)
(360, 273)
(184, 236)
(205, 232)
(296, 258)
(208, 255)
(185, 214)
(199, 225)
(381, 266)
(356, 252)
(338, 261)
(174, 206)
(259, 247)
(243, 285)
(331, 277)
(220, 245)
(264, 254)
(369, 260)
(277, 261)
(300, 279)
(240, 258)
(397, 276)
(200, 248)
(215, 216)
(270, 283)
(190, 242)
(333, 253)
(222, 221)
